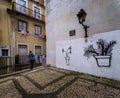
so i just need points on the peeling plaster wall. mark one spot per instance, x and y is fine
(102, 16)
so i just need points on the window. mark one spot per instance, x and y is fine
(38, 50)
(37, 30)
(23, 54)
(36, 0)
(22, 50)
(22, 6)
(22, 25)
(36, 12)
(4, 52)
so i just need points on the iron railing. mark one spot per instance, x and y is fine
(26, 11)
(21, 62)
(5, 65)
(21, 59)
(24, 59)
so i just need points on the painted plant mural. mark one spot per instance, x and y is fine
(67, 57)
(102, 54)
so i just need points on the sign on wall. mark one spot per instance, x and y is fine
(72, 33)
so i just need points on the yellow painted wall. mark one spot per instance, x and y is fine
(30, 5)
(9, 24)
(31, 40)
(4, 25)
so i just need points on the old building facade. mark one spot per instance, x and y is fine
(66, 50)
(22, 28)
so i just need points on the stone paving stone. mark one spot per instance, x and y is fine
(27, 85)
(6, 79)
(8, 90)
(37, 69)
(51, 82)
(61, 70)
(45, 76)
(86, 89)
(55, 86)
(102, 80)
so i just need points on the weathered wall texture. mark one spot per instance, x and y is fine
(102, 16)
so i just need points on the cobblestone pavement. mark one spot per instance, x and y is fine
(51, 82)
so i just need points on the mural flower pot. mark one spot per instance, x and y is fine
(102, 54)
(67, 57)
(67, 60)
(103, 61)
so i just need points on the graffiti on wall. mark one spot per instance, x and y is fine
(67, 53)
(102, 54)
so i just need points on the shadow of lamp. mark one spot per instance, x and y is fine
(81, 17)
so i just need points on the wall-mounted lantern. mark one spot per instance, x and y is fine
(81, 17)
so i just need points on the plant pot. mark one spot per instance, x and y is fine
(103, 61)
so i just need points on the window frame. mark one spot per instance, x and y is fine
(37, 13)
(5, 48)
(36, 0)
(20, 6)
(5, 53)
(22, 25)
(23, 45)
(37, 33)
(40, 49)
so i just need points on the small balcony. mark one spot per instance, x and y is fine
(25, 12)
(39, 3)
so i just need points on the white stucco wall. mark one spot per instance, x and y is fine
(80, 63)
(60, 19)
(102, 16)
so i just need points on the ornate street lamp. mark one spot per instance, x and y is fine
(81, 17)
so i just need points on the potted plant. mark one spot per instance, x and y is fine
(102, 54)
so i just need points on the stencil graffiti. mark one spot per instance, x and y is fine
(102, 54)
(67, 57)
